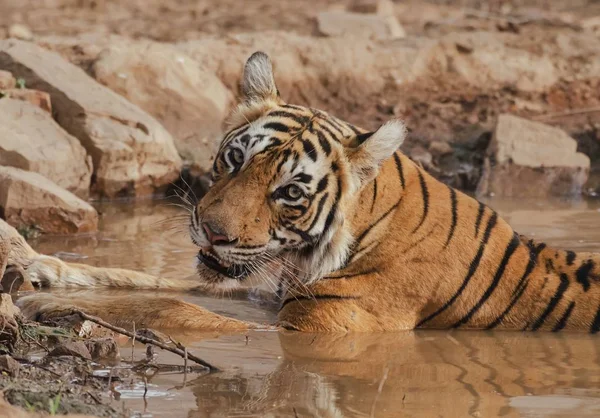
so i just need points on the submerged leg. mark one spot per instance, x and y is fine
(144, 311)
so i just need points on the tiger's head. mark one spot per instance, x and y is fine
(285, 179)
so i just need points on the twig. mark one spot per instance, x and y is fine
(185, 366)
(144, 340)
(133, 343)
(567, 113)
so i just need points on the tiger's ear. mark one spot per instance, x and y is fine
(258, 82)
(370, 150)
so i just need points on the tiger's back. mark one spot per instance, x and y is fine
(428, 256)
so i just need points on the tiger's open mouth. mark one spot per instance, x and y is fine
(233, 271)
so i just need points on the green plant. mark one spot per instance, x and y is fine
(54, 404)
(21, 83)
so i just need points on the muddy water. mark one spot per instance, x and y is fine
(413, 374)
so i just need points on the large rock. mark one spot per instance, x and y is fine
(190, 101)
(528, 158)
(131, 152)
(29, 200)
(341, 23)
(31, 140)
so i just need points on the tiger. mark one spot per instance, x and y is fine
(357, 235)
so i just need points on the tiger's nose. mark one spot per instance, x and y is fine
(217, 237)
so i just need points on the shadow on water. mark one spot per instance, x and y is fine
(413, 374)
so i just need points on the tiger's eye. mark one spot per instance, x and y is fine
(237, 156)
(293, 192)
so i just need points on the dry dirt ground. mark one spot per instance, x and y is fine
(436, 108)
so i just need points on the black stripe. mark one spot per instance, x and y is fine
(562, 322)
(331, 214)
(480, 212)
(510, 249)
(354, 128)
(564, 284)
(349, 276)
(322, 185)
(400, 170)
(333, 136)
(512, 303)
(303, 178)
(336, 123)
(332, 126)
(425, 194)
(291, 106)
(374, 224)
(374, 195)
(284, 159)
(300, 119)
(454, 203)
(319, 210)
(310, 149)
(472, 269)
(315, 298)
(595, 327)
(519, 289)
(277, 126)
(324, 143)
(583, 274)
(571, 258)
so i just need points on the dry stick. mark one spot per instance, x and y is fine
(133, 343)
(144, 340)
(567, 113)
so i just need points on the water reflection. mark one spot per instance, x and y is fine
(412, 374)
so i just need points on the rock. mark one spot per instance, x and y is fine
(7, 308)
(13, 280)
(488, 60)
(440, 148)
(103, 348)
(72, 349)
(9, 365)
(28, 199)
(526, 158)
(340, 23)
(131, 152)
(20, 31)
(381, 7)
(421, 156)
(31, 140)
(190, 101)
(37, 98)
(7, 81)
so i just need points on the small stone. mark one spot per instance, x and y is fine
(103, 348)
(72, 349)
(20, 31)
(7, 308)
(422, 156)
(9, 365)
(440, 148)
(7, 80)
(37, 98)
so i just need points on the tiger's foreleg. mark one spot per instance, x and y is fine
(144, 311)
(47, 271)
